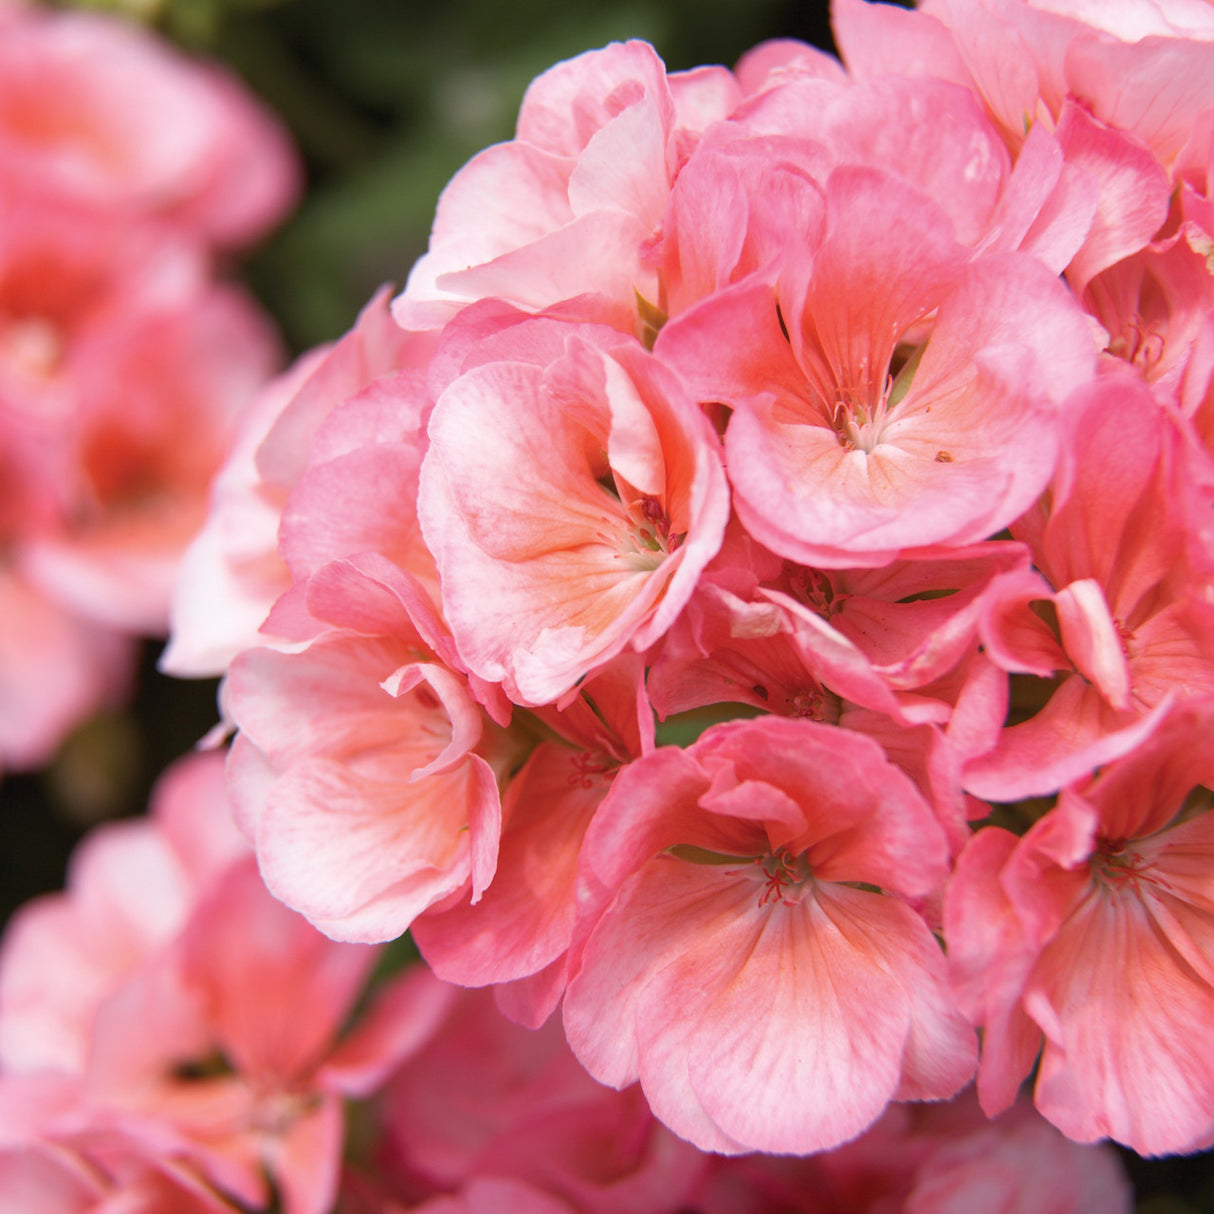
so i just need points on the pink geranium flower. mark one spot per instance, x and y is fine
(888, 394)
(1089, 940)
(775, 864)
(357, 773)
(567, 210)
(571, 494)
(98, 113)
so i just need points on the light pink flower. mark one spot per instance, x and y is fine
(1089, 940)
(356, 773)
(566, 211)
(859, 431)
(99, 113)
(571, 494)
(776, 864)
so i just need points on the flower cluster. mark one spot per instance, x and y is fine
(125, 169)
(857, 423)
(176, 1041)
(745, 608)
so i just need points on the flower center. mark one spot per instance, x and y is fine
(784, 874)
(1140, 344)
(649, 539)
(1116, 867)
(857, 420)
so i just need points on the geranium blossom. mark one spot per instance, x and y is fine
(775, 863)
(571, 494)
(833, 460)
(356, 774)
(758, 469)
(1088, 939)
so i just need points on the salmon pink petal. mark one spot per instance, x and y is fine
(102, 112)
(1133, 197)
(847, 468)
(1154, 88)
(1090, 638)
(359, 856)
(703, 95)
(1047, 206)
(305, 1159)
(364, 500)
(1120, 1013)
(770, 61)
(565, 106)
(1074, 733)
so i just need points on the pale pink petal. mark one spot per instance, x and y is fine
(56, 668)
(1121, 1014)
(242, 942)
(400, 1021)
(306, 1159)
